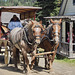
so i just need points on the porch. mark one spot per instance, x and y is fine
(66, 48)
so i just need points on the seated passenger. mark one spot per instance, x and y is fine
(14, 22)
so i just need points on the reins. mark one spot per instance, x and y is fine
(26, 38)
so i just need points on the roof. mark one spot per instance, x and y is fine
(24, 11)
(19, 9)
(63, 7)
(61, 17)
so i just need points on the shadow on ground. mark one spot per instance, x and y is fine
(10, 67)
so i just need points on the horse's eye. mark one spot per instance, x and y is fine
(33, 31)
(41, 30)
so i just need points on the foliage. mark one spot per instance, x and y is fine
(49, 7)
(17, 2)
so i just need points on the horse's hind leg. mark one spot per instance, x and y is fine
(15, 57)
(46, 62)
(17, 54)
(49, 62)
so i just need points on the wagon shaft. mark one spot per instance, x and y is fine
(45, 53)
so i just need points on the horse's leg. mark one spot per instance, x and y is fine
(46, 61)
(15, 57)
(26, 60)
(33, 59)
(17, 54)
(49, 62)
(53, 56)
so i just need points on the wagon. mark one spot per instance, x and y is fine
(24, 13)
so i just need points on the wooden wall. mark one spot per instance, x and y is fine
(70, 8)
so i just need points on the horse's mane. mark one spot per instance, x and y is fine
(17, 34)
(49, 30)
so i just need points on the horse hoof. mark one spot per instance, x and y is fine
(52, 73)
(31, 67)
(6, 65)
(27, 72)
(24, 71)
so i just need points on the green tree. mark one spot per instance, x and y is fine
(49, 8)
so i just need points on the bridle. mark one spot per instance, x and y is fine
(26, 36)
(56, 32)
(37, 26)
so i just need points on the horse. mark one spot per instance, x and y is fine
(25, 39)
(50, 42)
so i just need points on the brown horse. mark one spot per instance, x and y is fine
(50, 42)
(25, 39)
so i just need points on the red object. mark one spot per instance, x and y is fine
(68, 39)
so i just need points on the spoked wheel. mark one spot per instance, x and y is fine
(7, 56)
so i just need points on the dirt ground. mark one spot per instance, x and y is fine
(59, 68)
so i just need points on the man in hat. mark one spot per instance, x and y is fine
(14, 22)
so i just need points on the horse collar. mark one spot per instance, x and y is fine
(25, 37)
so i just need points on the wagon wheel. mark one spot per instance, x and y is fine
(7, 54)
(37, 59)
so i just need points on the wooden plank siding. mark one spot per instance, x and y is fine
(70, 8)
(19, 9)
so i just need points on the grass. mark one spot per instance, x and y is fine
(66, 60)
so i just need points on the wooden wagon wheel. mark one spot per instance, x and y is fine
(7, 54)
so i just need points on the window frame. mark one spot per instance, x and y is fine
(73, 2)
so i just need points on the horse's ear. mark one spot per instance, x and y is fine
(32, 22)
(51, 20)
(40, 22)
(60, 21)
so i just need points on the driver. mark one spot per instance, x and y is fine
(14, 22)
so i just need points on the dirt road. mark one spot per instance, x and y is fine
(59, 68)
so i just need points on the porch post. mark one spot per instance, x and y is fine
(70, 43)
(0, 23)
(63, 31)
(34, 16)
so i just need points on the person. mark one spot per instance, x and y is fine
(14, 22)
(68, 39)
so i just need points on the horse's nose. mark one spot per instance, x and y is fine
(56, 41)
(37, 41)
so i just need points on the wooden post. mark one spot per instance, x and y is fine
(0, 23)
(63, 31)
(34, 16)
(70, 43)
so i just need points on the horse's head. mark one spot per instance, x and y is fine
(37, 29)
(55, 30)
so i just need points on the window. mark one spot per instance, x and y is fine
(73, 2)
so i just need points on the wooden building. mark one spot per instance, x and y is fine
(67, 45)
